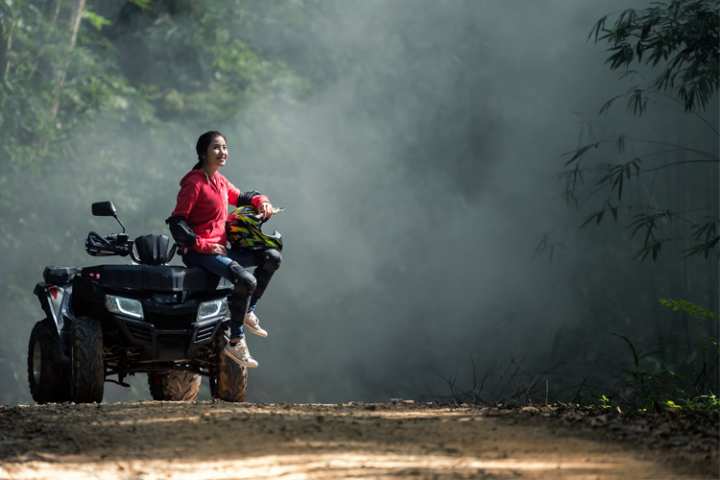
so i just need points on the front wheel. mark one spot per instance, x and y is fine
(174, 385)
(47, 372)
(88, 370)
(229, 382)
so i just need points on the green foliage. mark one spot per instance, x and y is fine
(702, 403)
(649, 380)
(691, 309)
(648, 225)
(598, 215)
(680, 40)
(95, 20)
(195, 63)
(652, 381)
(37, 53)
(680, 37)
(144, 4)
(156, 62)
(697, 312)
(707, 237)
(579, 152)
(604, 402)
(618, 173)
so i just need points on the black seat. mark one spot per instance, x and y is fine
(154, 249)
(54, 275)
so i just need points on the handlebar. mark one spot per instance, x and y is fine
(113, 244)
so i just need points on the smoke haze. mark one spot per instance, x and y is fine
(417, 182)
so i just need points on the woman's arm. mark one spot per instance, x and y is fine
(251, 197)
(180, 230)
(186, 198)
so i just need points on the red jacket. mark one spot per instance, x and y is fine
(203, 201)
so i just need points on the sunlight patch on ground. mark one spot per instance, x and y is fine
(169, 416)
(309, 466)
(147, 421)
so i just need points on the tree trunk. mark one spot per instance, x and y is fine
(54, 10)
(7, 38)
(73, 14)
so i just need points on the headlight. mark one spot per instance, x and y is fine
(124, 306)
(212, 309)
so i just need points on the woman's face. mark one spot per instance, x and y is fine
(217, 153)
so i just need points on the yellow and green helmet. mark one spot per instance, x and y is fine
(244, 230)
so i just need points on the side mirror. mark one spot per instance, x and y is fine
(104, 209)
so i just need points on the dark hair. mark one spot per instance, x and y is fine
(203, 142)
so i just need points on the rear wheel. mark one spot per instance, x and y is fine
(174, 385)
(47, 373)
(229, 382)
(88, 370)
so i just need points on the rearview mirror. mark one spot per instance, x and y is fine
(104, 209)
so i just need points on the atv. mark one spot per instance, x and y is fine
(144, 317)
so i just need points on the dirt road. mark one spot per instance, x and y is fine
(162, 440)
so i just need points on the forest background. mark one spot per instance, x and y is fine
(461, 220)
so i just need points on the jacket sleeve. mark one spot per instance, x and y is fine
(233, 193)
(238, 198)
(187, 196)
(180, 230)
(251, 198)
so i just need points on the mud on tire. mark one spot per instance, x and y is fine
(174, 385)
(229, 382)
(86, 361)
(47, 370)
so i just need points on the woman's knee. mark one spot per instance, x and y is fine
(244, 281)
(271, 259)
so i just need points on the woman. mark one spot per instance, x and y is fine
(198, 225)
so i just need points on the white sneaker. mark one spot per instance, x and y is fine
(240, 354)
(252, 325)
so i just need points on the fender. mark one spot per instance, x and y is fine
(55, 302)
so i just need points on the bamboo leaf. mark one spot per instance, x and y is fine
(597, 216)
(606, 106)
(597, 28)
(581, 151)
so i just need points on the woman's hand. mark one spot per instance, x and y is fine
(265, 210)
(218, 249)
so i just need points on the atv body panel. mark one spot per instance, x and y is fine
(170, 297)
